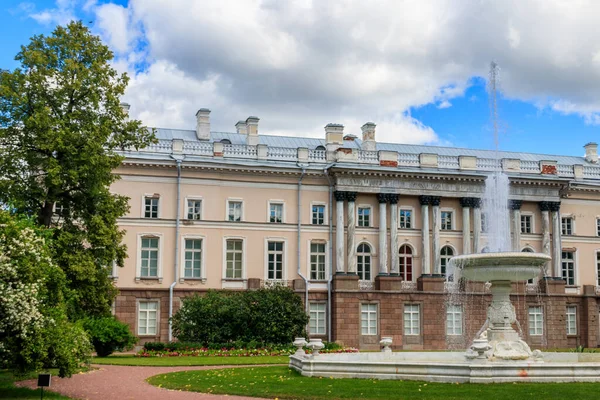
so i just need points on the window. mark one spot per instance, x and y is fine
(194, 209)
(275, 260)
(568, 267)
(446, 254)
(276, 212)
(406, 262)
(412, 324)
(454, 320)
(364, 216)
(150, 207)
(234, 259)
(193, 258)
(597, 226)
(446, 221)
(317, 319)
(526, 223)
(234, 211)
(317, 261)
(536, 321)
(528, 250)
(318, 214)
(147, 317)
(571, 320)
(60, 210)
(405, 219)
(484, 223)
(363, 261)
(567, 225)
(598, 268)
(149, 257)
(368, 319)
(321, 148)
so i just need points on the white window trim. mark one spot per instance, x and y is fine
(224, 267)
(575, 267)
(137, 317)
(325, 214)
(532, 215)
(369, 313)
(236, 200)
(573, 224)
(596, 226)
(155, 196)
(308, 252)
(419, 313)
(182, 277)
(284, 259)
(452, 219)
(462, 320)
(412, 216)
(415, 255)
(185, 207)
(275, 201)
(370, 207)
(543, 320)
(114, 271)
(454, 254)
(597, 269)
(138, 268)
(373, 255)
(324, 320)
(567, 319)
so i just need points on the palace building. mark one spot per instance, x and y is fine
(361, 230)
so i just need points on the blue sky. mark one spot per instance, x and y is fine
(300, 65)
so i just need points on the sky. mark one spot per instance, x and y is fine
(417, 68)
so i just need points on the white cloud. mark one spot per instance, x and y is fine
(116, 26)
(444, 104)
(60, 15)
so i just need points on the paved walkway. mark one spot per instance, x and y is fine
(115, 382)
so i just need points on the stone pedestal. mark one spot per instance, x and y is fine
(430, 283)
(345, 282)
(253, 283)
(552, 285)
(383, 282)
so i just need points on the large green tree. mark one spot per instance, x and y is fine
(61, 126)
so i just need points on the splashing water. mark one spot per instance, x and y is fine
(495, 208)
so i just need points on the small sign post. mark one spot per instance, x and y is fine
(43, 381)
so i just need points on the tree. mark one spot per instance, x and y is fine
(61, 126)
(34, 330)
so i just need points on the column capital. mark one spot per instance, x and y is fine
(339, 195)
(544, 205)
(425, 200)
(555, 206)
(476, 202)
(515, 204)
(393, 198)
(468, 201)
(351, 196)
(384, 197)
(435, 200)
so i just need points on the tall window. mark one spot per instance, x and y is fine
(193, 258)
(598, 268)
(317, 261)
(405, 262)
(151, 207)
(536, 321)
(368, 319)
(147, 317)
(234, 211)
(363, 261)
(405, 219)
(194, 209)
(275, 260)
(526, 223)
(318, 214)
(276, 212)
(597, 226)
(571, 320)
(364, 216)
(567, 225)
(412, 320)
(454, 320)
(446, 254)
(317, 319)
(484, 223)
(528, 250)
(234, 259)
(568, 267)
(446, 220)
(149, 257)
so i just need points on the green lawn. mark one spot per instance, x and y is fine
(281, 382)
(188, 361)
(10, 391)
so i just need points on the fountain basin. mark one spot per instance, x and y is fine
(505, 266)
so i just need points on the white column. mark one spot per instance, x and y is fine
(515, 206)
(425, 250)
(350, 216)
(437, 216)
(339, 232)
(465, 202)
(545, 209)
(383, 267)
(394, 245)
(556, 238)
(476, 226)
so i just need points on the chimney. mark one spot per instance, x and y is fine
(334, 136)
(368, 137)
(591, 152)
(203, 124)
(125, 108)
(252, 130)
(240, 127)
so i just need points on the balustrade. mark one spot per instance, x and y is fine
(450, 162)
(368, 156)
(530, 166)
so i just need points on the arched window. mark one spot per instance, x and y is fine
(406, 262)
(485, 250)
(320, 148)
(225, 141)
(363, 261)
(527, 250)
(446, 254)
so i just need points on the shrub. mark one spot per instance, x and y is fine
(271, 315)
(108, 335)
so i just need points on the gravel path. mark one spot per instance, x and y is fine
(116, 382)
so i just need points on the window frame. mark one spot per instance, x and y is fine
(243, 240)
(369, 320)
(371, 255)
(324, 312)
(158, 207)
(452, 219)
(412, 217)
(444, 257)
(242, 212)
(159, 270)
(284, 263)
(597, 268)
(568, 321)
(531, 217)
(186, 207)
(276, 203)
(564, 272)
(451, 310)
(597, 226)
(413, 255)
(364, 206)
(567, 217)
(536, 324)
(410, 330)
(325, 215)
(325, 263)
(137, 317)
(203, 254)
